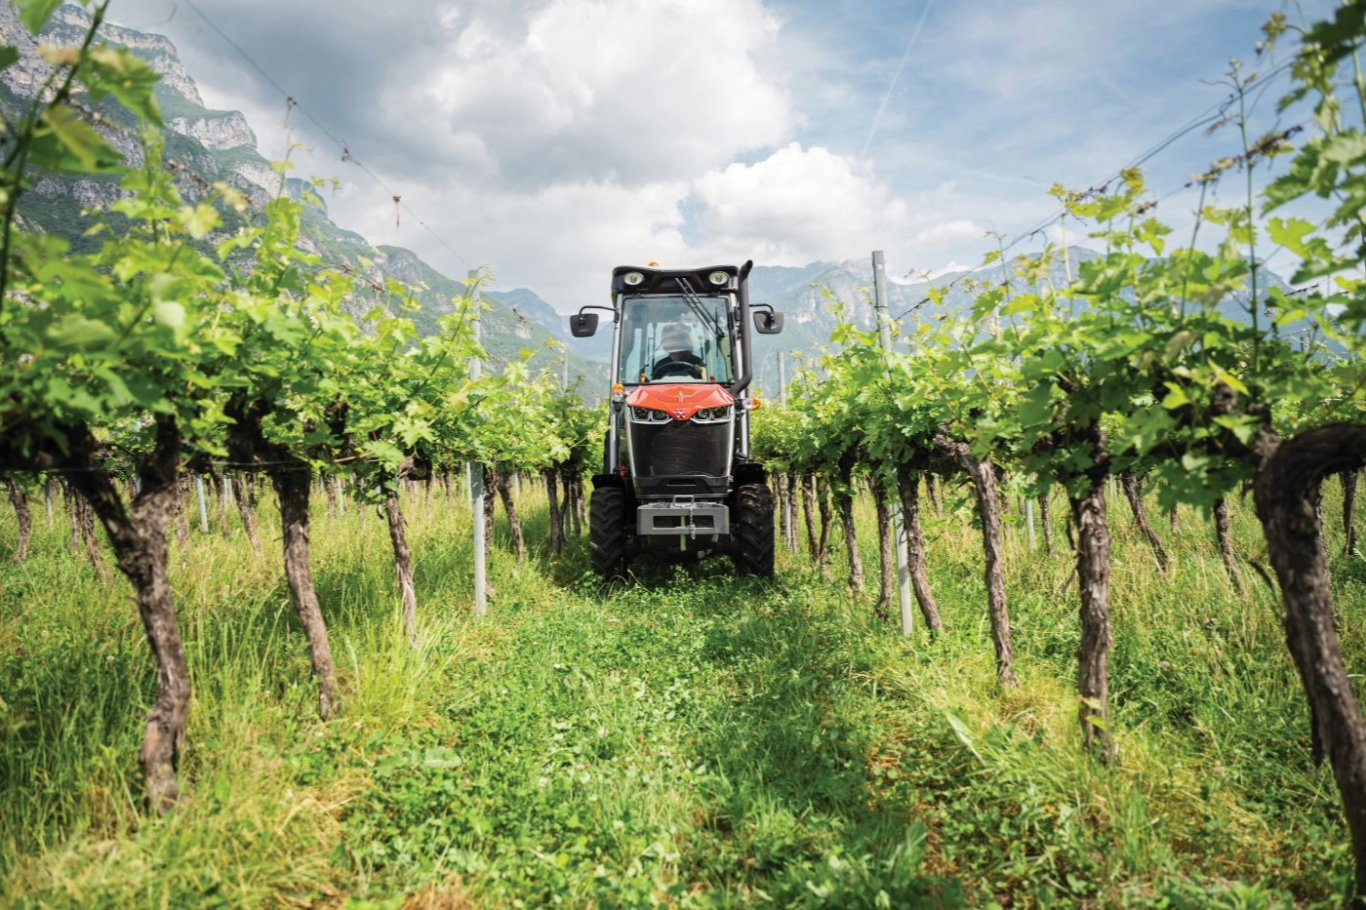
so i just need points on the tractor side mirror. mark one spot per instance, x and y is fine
(583, 325)
(768, 323)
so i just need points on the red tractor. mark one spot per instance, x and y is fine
(677, 478)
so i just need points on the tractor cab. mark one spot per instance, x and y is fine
(677, 478)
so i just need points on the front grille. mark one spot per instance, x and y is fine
(673, 448)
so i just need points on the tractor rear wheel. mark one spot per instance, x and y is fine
(751, 528)
(607, 531)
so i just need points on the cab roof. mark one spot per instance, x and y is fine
(670, 281)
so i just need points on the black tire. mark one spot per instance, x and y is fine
(607, 531)
(751, 529)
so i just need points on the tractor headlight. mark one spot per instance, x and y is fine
(713, 415)
(633, 278)
(718, 278)
(648, 415)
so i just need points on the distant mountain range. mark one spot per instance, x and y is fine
(209, 145)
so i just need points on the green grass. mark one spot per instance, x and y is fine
(690, 740)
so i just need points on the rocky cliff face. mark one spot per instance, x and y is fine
(71, 22)
(217, 130)
(68, 26)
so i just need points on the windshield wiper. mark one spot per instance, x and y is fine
(695, 302)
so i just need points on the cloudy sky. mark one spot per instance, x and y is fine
(553, 139)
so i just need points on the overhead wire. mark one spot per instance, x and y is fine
(1210, 116)
(292, 103)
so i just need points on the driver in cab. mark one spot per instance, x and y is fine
(679, 359)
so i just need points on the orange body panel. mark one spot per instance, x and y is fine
(680, 400)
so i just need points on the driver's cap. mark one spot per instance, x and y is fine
(676, 337)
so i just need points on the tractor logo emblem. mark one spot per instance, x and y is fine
(678, 414)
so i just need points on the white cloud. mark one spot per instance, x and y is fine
(796, 206)
(951, 231)
(613, 89)
(562, 240)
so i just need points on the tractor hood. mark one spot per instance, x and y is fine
(680, 400)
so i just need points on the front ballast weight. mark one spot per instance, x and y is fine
(678, 480)
(682, 519)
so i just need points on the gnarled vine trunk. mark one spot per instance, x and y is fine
(245, 489)
(777, 487)
(552, 493)
(1224, 532)
(886, 547)
(565, 507)
(19, 500)
(1046, 519)
(932, 491)
(490, 499)
(180, 512)
(1133, 492)
(1093, 580)
(809, 511)
(514, 521)
(69, 495)
(580, 519)
(137, 534)
(982, 475)
(909, 486)
(988, 509)
(844, 502)
(83, 537)
(292, 486)
(827, 524)
(1349, 500)
(403, 562)
(790, 510)
(1290, 474)
(292, 478)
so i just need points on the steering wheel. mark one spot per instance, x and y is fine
(676, 366)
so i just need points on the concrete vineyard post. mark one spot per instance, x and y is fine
(903, 566)
(476, 473)
(789, 500)
(203, 506)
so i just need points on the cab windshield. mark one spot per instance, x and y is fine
(675, 339)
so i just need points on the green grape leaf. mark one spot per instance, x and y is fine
(65, 144)
(80, 332)
(128, 78)
(35, 13)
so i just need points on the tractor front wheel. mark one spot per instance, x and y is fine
(751, 528)
(607, 531)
